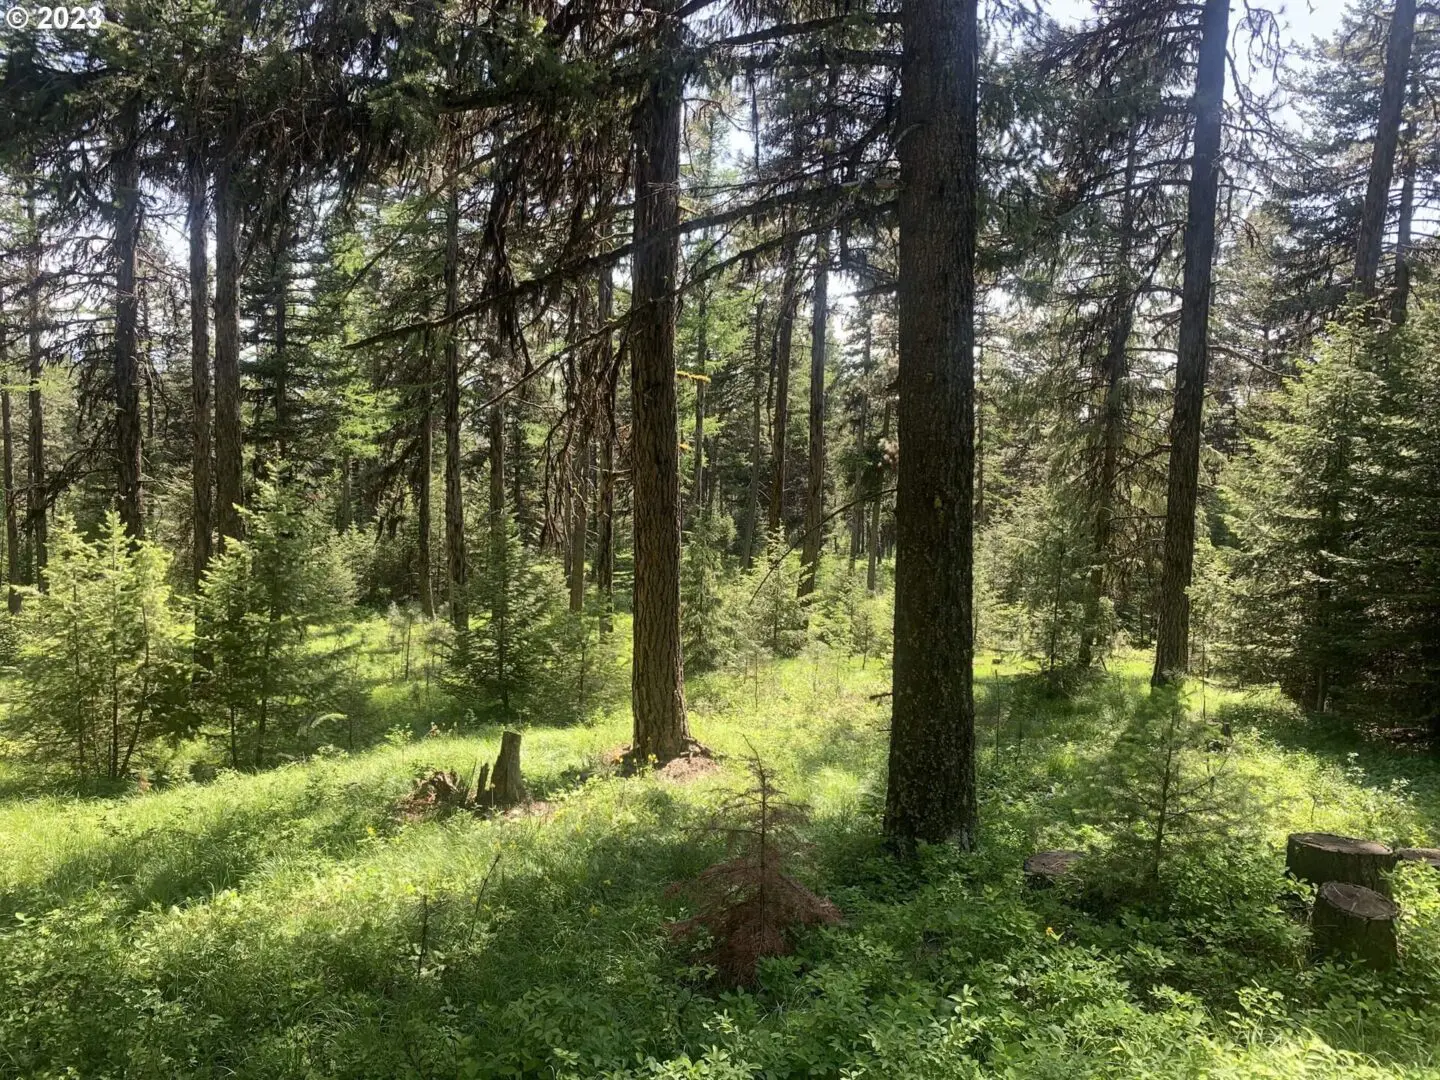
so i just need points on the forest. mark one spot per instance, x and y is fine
(720, 539)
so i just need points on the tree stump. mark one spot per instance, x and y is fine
(506, 787)
(1321, 857)
(1428, 855)
(1046, 868)
(1351, 920)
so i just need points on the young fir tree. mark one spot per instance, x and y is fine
(260, 604)
(1332, 510)
(707, 623)
(104, 657)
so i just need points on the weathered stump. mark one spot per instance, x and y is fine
(1351, 920)
(1428, 855)
(506, 787)
(1321, 857)
(1046, 868)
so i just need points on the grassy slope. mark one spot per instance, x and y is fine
(285, 924)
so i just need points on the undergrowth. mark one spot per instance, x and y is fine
(289, 923)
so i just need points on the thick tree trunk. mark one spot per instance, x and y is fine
(456, 570)
(752, 503)
(229, 491)
(128, 432)
(201, 481)
(1382, 158)
(780, 366)
(815, 480)
(931, 792)
(37, 503)
(658, 687)
(605, 500)
(1114, 370)
(872, 542)
(1172, 638)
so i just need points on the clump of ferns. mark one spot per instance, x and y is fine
(748, 904)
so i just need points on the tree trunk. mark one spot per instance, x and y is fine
(229, 491)
(128, 431)
(858, 515)
(1382, 158)
(872, 542)
(931, 791)
(580, 514)
(815, 486)
(780, 366)
(702, 345)
(38, 501)
(456, 571)
(425, 485)
(1172, 638)
(7, 446)
(658, 686)
(280, 285)
(1400, 302)
(1114, 370)
(752, 502)
(201, 482)
(605, 502)
(499, 553)
(497, 461)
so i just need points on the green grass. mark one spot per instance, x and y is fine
(288, 924)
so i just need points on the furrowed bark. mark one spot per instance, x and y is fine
(931, 792)
(658, 688)
(815, 481)
(229, 489)
(201, 480)
(1172, 639)
(1382, 158)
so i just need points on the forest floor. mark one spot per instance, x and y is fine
(291, 923)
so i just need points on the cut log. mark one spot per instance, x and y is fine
(506, 787)
(1428, 855)
(1045, 868)
(1351, 920)
(1321, 857)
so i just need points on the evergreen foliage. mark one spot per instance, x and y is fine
(104, 654)
(260, 606)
